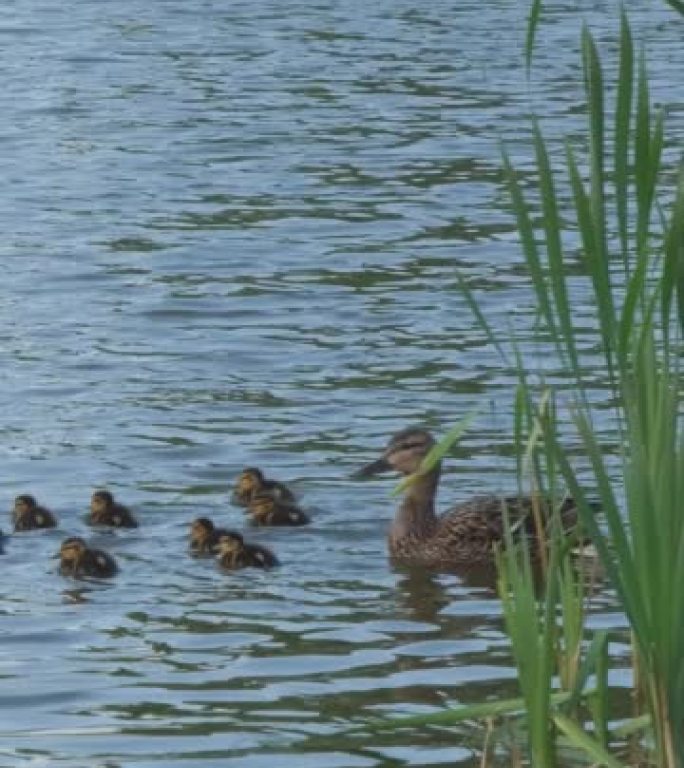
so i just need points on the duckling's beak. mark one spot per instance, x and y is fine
(374, 468)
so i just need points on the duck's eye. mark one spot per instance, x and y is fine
(410, 446)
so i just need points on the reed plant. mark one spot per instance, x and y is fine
(632, 253)
(628, 211)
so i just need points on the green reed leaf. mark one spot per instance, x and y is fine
(530, 249)
(580, 739)
(532, 24)
(678, 5)
(623, 110)
(565, 340)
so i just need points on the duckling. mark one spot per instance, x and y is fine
(233, 553)
(252, 482)
(204, 536)
(77, 559)
(265, 510)
(27, 515)
(105, 511)
(468, 533)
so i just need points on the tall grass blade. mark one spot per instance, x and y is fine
(552, 230)
(598, 255)
(479, 316)
(673, 269)
(532, 24)
(678, 5)
(530, 250)
(583, 741)
(623, 112)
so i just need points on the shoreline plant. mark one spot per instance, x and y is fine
(631, 235)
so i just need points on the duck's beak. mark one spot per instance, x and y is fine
(374, 468)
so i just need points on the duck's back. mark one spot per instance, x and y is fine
(469, 532)
(260, 557)
(99, 563)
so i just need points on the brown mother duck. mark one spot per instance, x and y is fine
(235, 553)
(264, 510)
(466, 534)
(27, 515)
(252, 482)
(104, 510)
(78, 560)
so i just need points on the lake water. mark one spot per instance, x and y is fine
(230, 236)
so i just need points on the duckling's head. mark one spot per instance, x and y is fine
(229, 543)
(200, 530)
(404, 453)
(262, 505)
(24, 504)
(72, 551)
(249, 481)
(101, 501)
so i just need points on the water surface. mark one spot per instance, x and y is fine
(231, 233)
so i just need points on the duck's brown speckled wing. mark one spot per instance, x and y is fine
(482, 517)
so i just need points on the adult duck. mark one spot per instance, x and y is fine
(468, 533)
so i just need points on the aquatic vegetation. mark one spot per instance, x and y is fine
(631, 234)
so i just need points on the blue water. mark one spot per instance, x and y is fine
(230, 236)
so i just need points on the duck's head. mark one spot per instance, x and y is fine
(404, 453)
(101, 501)
(249, 481)
(200, 530)
(72, 552)
(229, 543)
(24, 504)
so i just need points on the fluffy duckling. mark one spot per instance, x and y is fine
(77, 559)
(252, 482)
(234, 553)
(265, 510)
(27, 515)
(204, 536)
(105, 511)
